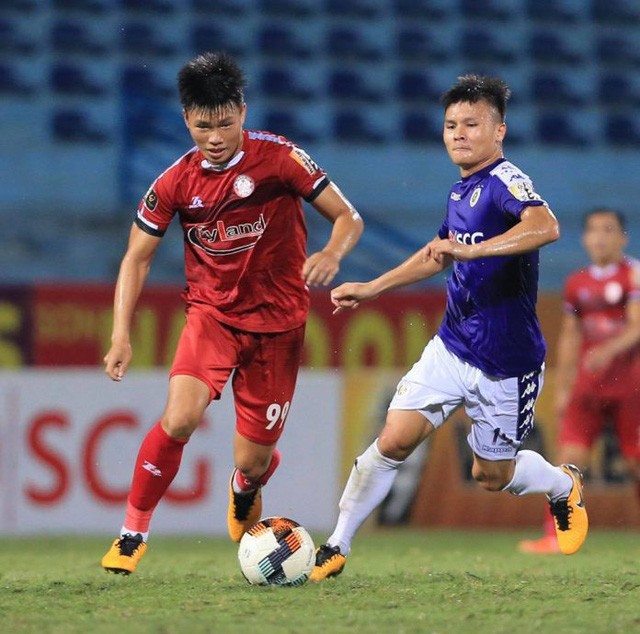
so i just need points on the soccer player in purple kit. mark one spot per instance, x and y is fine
(488, 354)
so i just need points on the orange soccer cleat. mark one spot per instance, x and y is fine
(329, 563)
(570, 514)
(124, 554)
(244, 510)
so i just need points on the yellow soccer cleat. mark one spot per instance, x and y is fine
(546, 545)
(124, 554)
(570, 514)
(329, 563)
(244, 510)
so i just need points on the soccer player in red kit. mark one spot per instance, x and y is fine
(238, 197)
(598, 368)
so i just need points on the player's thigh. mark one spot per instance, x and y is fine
(403, 431)
(582, 422)
(264, 384)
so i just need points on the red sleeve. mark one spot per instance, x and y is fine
(634, 280)
(301, 173)
(156, 209)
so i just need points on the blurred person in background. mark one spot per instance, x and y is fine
(598, 367)
(238, 195)
(489, 352)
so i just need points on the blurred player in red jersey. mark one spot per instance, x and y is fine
(238, 197)
(598, 368)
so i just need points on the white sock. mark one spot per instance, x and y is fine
(124, 531)
(369, 483)
(533, 474)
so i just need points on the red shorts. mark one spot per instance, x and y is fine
(266, 368)
(587, 414)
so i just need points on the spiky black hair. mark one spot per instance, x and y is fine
(617, 214)
(474, 88)
(211, 81)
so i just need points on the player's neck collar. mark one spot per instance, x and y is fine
(602, 272)
(221, 168)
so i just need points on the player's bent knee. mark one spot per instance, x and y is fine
(252, 468)
(179, 426)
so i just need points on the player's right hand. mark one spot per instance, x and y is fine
(116, 361)
(349, 295)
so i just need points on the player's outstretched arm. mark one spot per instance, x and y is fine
(321, 267)
(134, 268)
(569, 344)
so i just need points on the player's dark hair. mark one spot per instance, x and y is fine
(211, 81)
(618, 215)
(474, 88)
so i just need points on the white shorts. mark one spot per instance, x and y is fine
(501, 410)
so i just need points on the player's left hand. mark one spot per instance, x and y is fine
(320, 268)
(439, 249)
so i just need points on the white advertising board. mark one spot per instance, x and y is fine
(68, 441)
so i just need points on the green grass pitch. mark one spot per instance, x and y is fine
(396, 581)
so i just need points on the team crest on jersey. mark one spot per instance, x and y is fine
(151, 199)
(304, 160)
(475, 196)
(613, 292)
(243, 186)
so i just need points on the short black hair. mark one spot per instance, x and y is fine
(211, 81)
(619, 216)
(474, 88)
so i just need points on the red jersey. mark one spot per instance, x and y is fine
(599, 297)
(244, 230)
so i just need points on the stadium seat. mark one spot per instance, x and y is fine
(616, 89)
(347, 43)
(281, 82)
(364, 9)
(353, 126)
(553, 89)
(550, 47)
(279, 41)
(11, 83)
(231, 8)
(75, 37)
(289, 8)
(142, 38)
(622, 130)
(73, 126)
(480, 45)
(349, 85)
(12, 40)
(483, 10)
(149, 7)
(615, 12)
(416, 44)
(287, 123)
(551, 11)
(210, 37)
(70, 79)
(86, 6)
(615, 50)
(419, 127)
(143, 80)
(430, 9)
(556, 128)
(414, 86)
(23, 6)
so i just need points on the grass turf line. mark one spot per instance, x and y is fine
(395, 581)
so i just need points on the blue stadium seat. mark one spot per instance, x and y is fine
(347, 43)
(86, 6)
(142, 38)
(289, 8)
(279, 41)
(75, 37)
(556, 128)
(141, 79)
(71, 79)
(551, 11)
(287, 123)
(210, 37)
(416, 44)
(430, 9)
(282, 83)
(622, 130)
(550, 47)
(615, 50)
(364, 9)
(74, 126)
(412, 86)
(616, 89)
(23, 6)
(483, 10)
(12, 40)
(549, 88)
(615, 12)
(481, 45)
(353, 126)
(418, 127)
(11, 83)
(149, 7)
(231, 8)
(349, 85)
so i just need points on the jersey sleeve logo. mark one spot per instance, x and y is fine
(151, 199)
(304, 160)
(523, 191)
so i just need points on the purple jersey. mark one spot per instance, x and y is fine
(491, 320)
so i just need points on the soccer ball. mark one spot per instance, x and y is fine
(276, 551)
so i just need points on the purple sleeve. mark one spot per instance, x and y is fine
(443, 232)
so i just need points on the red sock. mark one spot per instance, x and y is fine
(245, 484)
(549, 525)
(156, 466)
